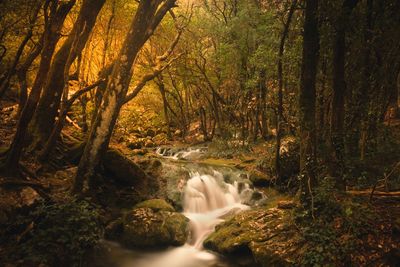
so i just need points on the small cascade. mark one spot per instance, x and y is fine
(181, 153)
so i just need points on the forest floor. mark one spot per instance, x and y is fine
(379, 246)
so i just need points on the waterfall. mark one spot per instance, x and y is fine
(207, 199)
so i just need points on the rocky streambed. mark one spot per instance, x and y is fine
(205, 216)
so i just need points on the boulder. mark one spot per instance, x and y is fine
(146, 228)
(267, 234)
(156, 205)
(125, 171)
(259, 178)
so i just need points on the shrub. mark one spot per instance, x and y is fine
(62, 234)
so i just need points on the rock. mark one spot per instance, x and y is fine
(145, 228)
(243, 176)
(151, 166)
(178, 132)
(268, 235)
(150, 133)
(241, 186)
(137, 144)
(286, 204)
(160, 139)
(140, 152)
(149, 143)
(122, 169)
(173, 179)
(156, 205)
(114, 230)
(259, 178)
(257, 195)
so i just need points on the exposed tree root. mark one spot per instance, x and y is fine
(39, 188)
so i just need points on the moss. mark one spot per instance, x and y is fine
(156, 205)
(146, 228)
(220, 162)
(266, 234)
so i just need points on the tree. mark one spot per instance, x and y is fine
(55, 14)
(307, 96)
(52, 93)
(284, 35)
(5, 83)
(148, 15)
(338, 92)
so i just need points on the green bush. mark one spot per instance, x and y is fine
(62, 234)
(337, 227)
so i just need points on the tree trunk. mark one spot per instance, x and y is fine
(338, 95)
(307, 102)
(50, 101)
(161, 88)
(147, 17)
(366, 81)
(279, 116)
(53, 27)
(256, 115)
(22, 75)
(263, 88)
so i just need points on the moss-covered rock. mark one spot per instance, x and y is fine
(265, 234)
(156, 205)
(144, 227)
(259, 178)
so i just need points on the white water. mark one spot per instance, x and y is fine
(188, 153)
(207, 199)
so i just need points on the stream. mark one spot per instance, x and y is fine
(207, 199)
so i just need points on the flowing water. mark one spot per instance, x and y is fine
(207, 199)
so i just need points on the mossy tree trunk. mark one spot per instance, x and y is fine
(148, 15)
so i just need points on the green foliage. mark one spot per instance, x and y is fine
(62, 233)
(338, 225)
(325, 250)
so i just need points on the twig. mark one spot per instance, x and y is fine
(385, 179)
